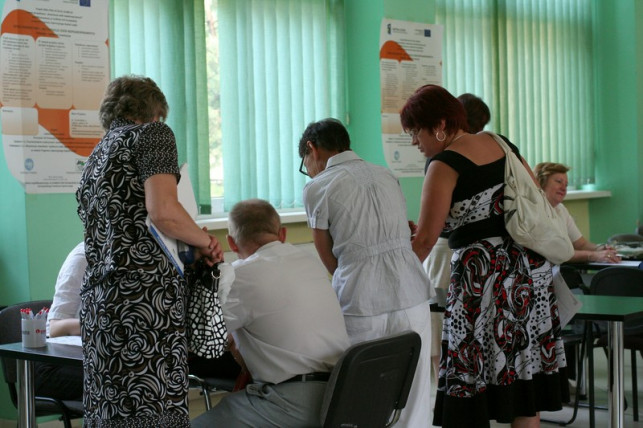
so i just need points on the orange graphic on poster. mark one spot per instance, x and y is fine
(27, 24)
(393, 50)
(55, 121)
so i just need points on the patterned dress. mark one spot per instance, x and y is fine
(133, 310)
(502, 353)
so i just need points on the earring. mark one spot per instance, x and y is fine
(444, 136)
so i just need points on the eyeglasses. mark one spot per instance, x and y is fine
(302, 167)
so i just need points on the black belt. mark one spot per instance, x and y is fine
(310, 377)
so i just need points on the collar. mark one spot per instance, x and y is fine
(342, 157)
(268, 245)
(119, 122)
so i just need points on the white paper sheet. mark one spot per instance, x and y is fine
(188, 200)
(568, 304)
(66, 340)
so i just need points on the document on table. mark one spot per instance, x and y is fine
(188, 200)
(622, 263)
(66, 340)
(568, 304)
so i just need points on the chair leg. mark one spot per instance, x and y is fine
(580, 361)
(205, 390)
(66, 422)
(635, 394)
(206, 396)
(590, 381)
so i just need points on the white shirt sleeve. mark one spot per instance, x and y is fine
(66, 301)
(572, 230)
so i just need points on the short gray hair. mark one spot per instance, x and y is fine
(251, 220)
(136, 98)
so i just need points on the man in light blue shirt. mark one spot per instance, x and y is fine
(357, 214)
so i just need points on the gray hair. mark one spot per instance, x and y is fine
(135, 98)
(253, 220)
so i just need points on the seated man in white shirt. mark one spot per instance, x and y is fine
(285, 320)
(60, 381)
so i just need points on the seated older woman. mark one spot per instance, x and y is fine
(552, 178)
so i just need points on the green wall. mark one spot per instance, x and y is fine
(619, 110)
(363, 20)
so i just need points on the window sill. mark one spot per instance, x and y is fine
(298, 216)
(221, 223)
(575, 195)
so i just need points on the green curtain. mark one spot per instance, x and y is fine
(165, 40)
(531, 61)
(282, 66)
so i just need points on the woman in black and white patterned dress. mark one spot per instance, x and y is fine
(133, 298)
(502, 355)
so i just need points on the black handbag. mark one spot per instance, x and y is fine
(206, 329)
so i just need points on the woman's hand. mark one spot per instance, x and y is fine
(609, 255)
(414, 229)
(212, 252)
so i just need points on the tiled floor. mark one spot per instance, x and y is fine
(197, 404)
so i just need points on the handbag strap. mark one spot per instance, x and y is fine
(501, 142)
(509, 168)
(215, 274)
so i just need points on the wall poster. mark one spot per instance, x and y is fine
(54, 68)
(410, 56)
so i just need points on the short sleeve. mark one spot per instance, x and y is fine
(316, 204)
(572, 230)
(156, 151)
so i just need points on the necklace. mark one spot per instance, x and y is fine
(455, 139)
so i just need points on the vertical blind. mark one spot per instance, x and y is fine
(531, 61)
(165, 40)
(281, 67)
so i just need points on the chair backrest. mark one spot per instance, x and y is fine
(573, 278)
(10, 332)
(625, 237)
(370, 384)
(620, 281)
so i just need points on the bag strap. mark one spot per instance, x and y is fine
(215, 274)
(508, 152)
(500, 142)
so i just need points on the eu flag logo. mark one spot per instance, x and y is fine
(427, 33)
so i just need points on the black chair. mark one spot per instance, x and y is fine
(624, 237)
(370, 384)
(209, 385)
(626, 282)
(574, 339)
(10, 327)
(212, 375)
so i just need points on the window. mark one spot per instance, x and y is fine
(281, 67)
(531, 61)
(243, 78)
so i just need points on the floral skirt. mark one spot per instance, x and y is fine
(502, 354)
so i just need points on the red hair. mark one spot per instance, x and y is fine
(428, 106)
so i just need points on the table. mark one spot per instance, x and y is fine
(602, 265)
(53, 353)
(616, 310)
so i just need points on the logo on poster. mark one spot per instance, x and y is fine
(28, 164)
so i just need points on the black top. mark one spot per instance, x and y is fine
(473, 181)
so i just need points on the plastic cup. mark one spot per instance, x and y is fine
(34, 333)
